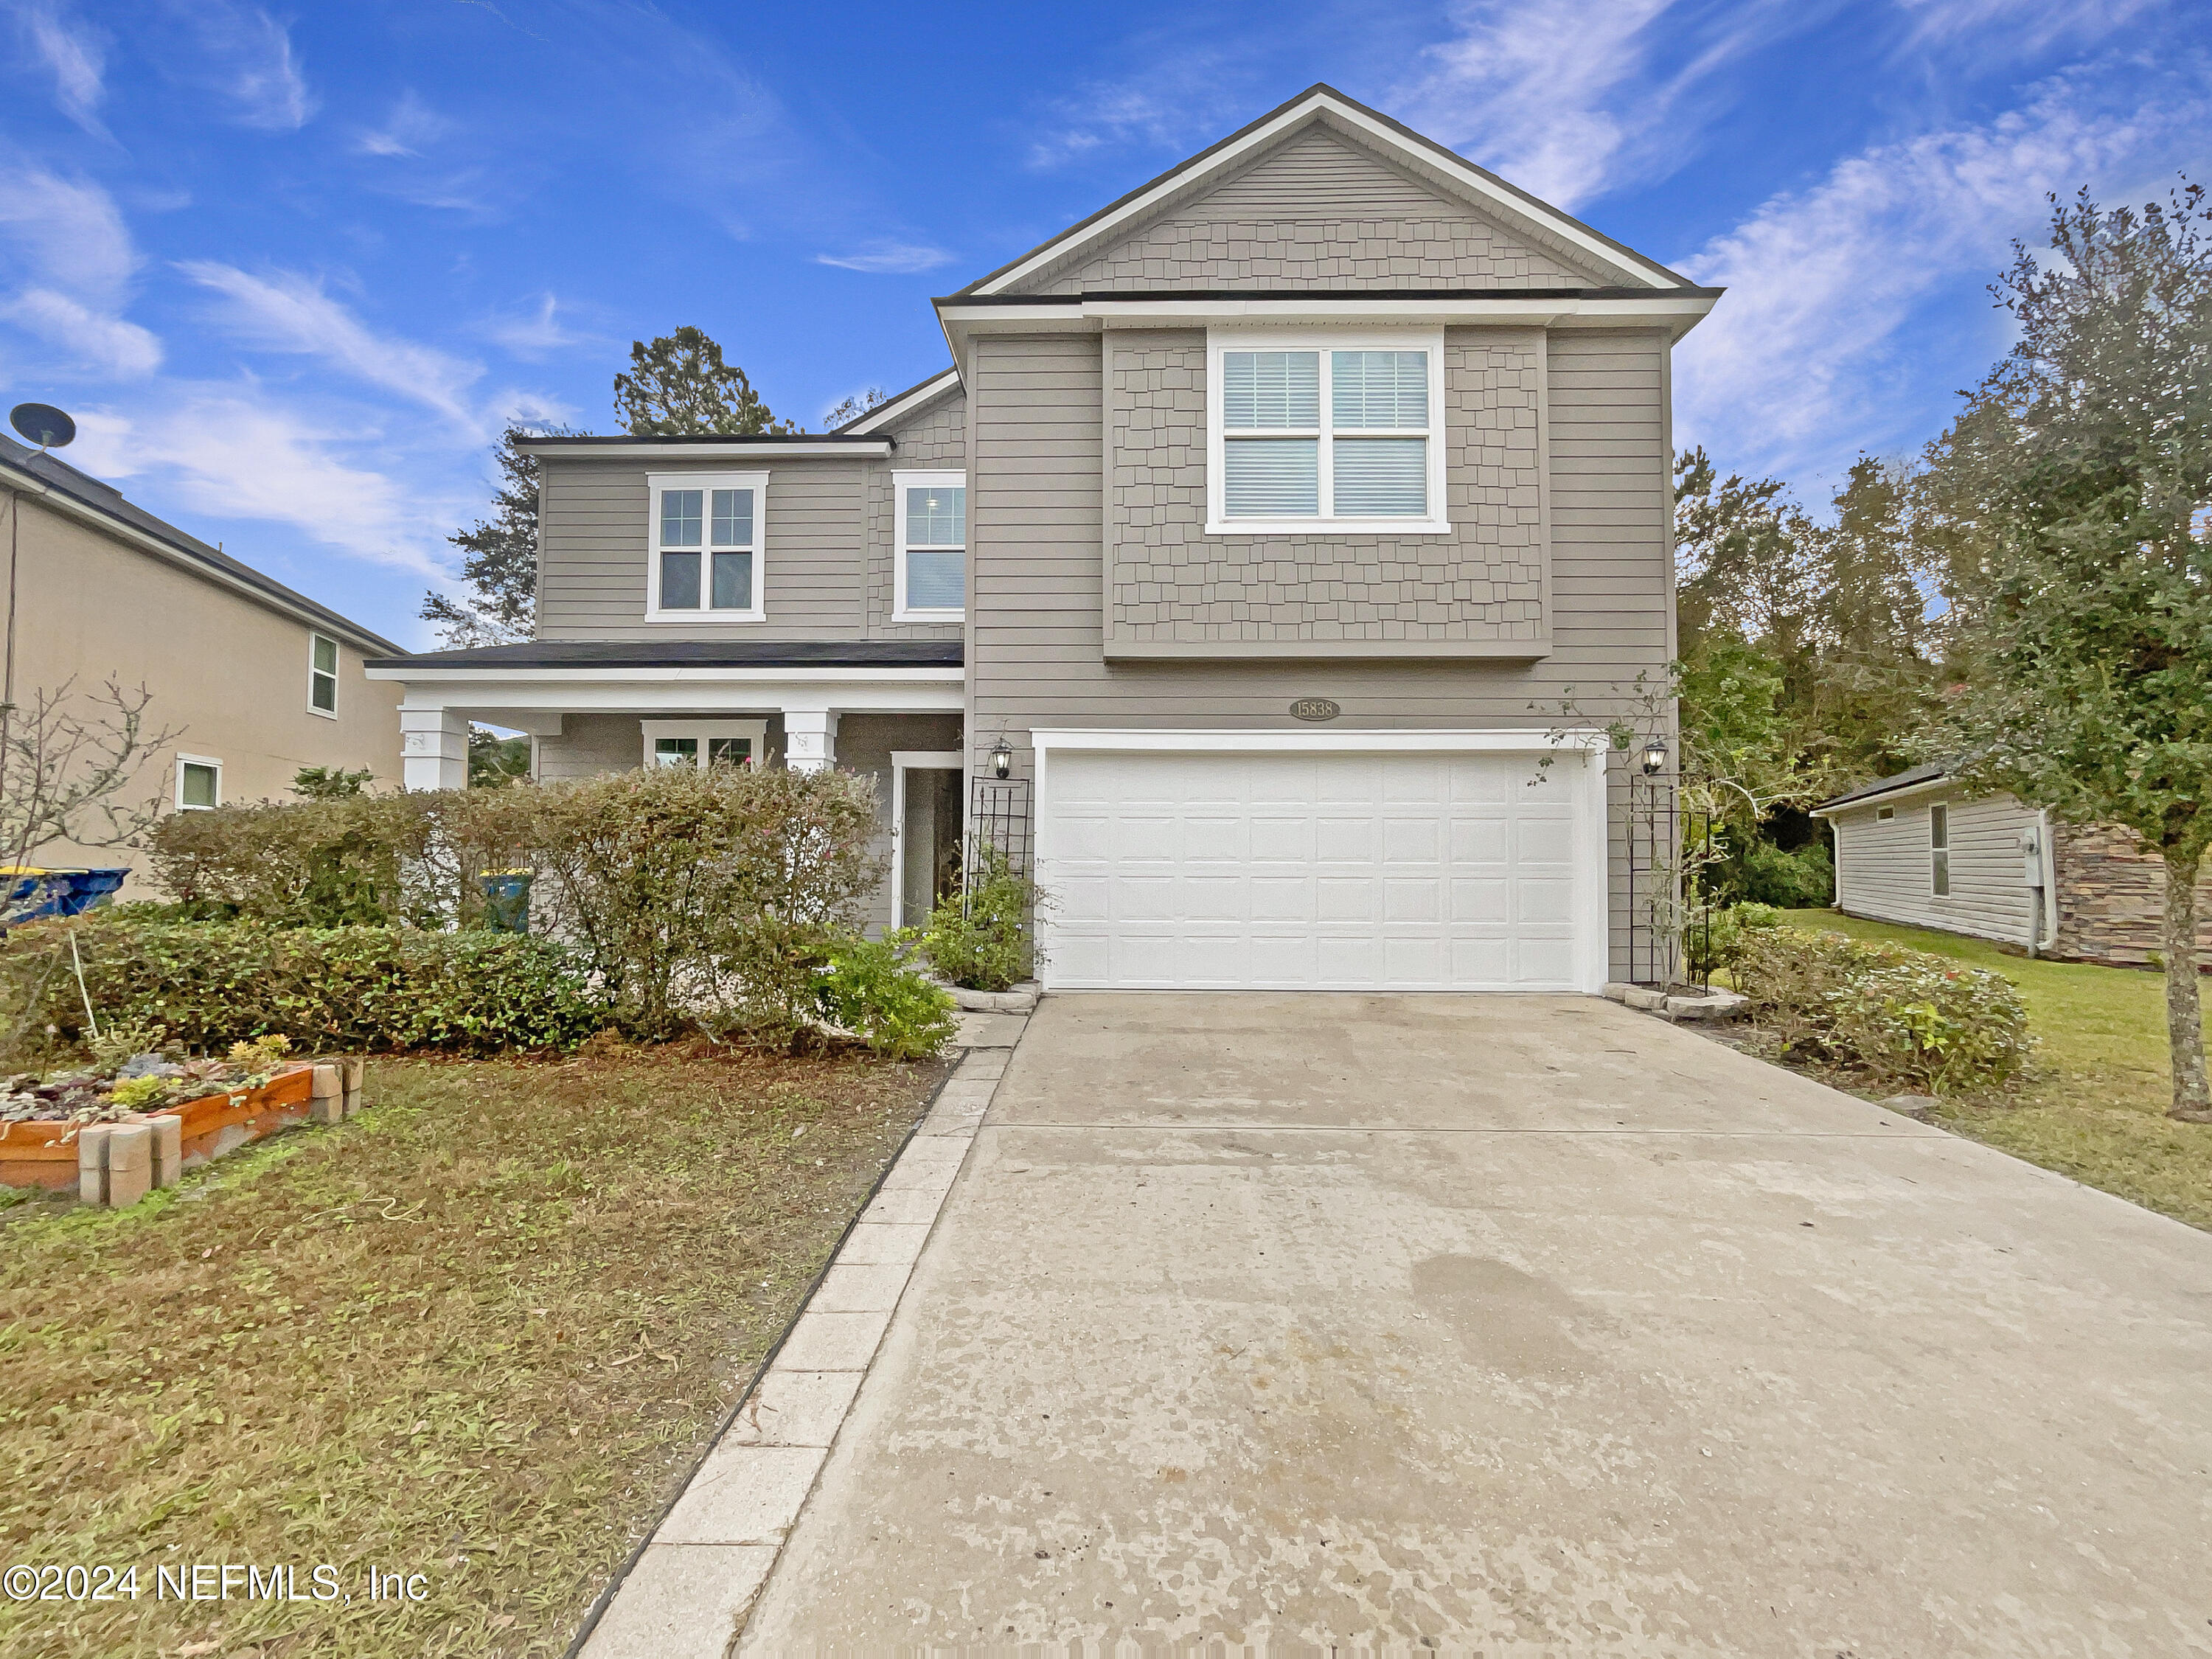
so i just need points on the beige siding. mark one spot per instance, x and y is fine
(1319, 210)
(227, 675)
(1036, 507)
(825, 569)
(1885, 870)
(1172, 585)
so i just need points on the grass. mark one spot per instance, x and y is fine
(476, 1332)
(2095, 1105)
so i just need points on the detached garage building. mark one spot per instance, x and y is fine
(1918, 848)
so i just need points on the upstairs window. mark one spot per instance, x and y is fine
(1939, 850)
(322, 675)
(1325, 433)
(706, 547)
(931, 533)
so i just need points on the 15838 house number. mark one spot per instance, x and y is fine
(1313, 708)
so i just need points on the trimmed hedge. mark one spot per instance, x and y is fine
(1908, 1019)
(349, 988)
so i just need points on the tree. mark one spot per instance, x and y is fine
(500, 566)
(62, 770)
(331, 783)
(2079, 479)
(494, 760)
(678, 385)
(852, 408)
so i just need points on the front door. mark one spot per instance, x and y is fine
(926, 831)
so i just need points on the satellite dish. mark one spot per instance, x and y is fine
(42, 425)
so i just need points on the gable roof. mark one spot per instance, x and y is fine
(85, 497)
(1513, 207)
(1912, 777)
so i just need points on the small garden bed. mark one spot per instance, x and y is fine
(2092, 1101)
(477, 1333)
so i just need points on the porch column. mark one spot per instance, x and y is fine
(809, 739)
(434, 746)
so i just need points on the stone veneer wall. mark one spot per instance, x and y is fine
(2112, 897)
(1169, 581)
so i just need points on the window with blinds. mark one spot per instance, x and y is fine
(1327, 433)
(932, 536)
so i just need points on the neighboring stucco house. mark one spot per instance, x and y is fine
(254, 680)
(1267, 517)
(1918, 848)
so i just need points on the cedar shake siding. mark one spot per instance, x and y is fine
(1322, 211)
(1174, 590)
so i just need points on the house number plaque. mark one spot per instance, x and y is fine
(1313, 708)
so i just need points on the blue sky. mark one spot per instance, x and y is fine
(292, 267)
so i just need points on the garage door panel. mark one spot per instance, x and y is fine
(1394, 871)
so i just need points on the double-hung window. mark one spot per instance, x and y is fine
(1325, 432)
(931, 534)
(707, 536)
(322, 675)
(1939, 850)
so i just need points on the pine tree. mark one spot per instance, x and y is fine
(679, 386)
(500, 566)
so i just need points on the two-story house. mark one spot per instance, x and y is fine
(251, 680)
(1263, 524)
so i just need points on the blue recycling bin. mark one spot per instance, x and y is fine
(35, 893)
(507, 899)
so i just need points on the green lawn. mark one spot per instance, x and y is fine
(2094, 1108)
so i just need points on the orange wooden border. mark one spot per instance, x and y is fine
(34, 1153)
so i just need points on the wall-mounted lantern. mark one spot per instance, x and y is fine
(1002, 760)
(1654, 757)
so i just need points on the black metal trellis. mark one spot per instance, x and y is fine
(1670, 928)
(999, 821)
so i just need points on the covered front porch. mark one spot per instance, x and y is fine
(892, 711)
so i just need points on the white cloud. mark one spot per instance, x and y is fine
(1820, 282)
(897, 258)
(2016, 27)
(413, 128)
(67, 259)
(1185, 97)
(74, 55)
(535, 333)
(109, 344)
(287, 312)
(237, 455)
(251, 63)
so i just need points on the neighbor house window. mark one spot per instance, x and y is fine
(706, 541)
(1325, 432)
(1939, 850)
(930, 530)
(323, 675)
(1884, 814)
(199, 782)
(715, 743)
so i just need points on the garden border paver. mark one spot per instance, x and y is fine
(687, 1592)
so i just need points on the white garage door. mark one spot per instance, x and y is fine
(1324, 870)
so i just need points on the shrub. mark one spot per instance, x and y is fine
(211, 984)
(332, 860)
(1717, 939)
(1907, 1017)
(1802, 880)
(985, 944)
(869, 990)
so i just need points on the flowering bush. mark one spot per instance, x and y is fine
(1908, 1019)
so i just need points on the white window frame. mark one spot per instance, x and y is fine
(185, 760)
(337, 656)
(1939, 850)
(901, 482)
(703, 730)
(656, 482)
(1324, 341)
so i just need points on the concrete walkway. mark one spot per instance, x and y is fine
(1511, 1324)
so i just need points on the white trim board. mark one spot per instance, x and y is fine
(903, 761)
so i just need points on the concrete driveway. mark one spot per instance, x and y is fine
(1507, 1325)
